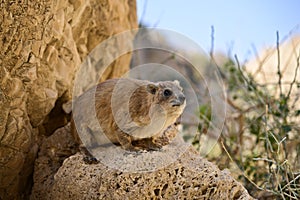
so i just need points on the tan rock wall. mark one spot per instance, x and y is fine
(42, 44)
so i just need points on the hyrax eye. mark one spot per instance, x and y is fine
(167, 92)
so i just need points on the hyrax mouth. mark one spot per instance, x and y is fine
(176, 103)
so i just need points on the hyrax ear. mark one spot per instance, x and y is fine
(176, 82)
(152, 88)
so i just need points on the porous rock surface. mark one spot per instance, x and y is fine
(42, 44)
(54, 149)
(188, 177)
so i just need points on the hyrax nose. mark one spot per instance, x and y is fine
(178, 101)
(181, 98)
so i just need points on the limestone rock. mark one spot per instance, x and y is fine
(190, 176)
(54, 149)
(42, 45)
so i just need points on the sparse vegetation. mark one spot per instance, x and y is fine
(261, 133)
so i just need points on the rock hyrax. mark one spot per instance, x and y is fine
(137, 114)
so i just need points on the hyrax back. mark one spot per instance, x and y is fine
(137, 114)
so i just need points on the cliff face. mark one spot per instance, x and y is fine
(42, 44)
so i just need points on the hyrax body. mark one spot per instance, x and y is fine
(136, 114)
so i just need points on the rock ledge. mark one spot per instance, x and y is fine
(188, 177)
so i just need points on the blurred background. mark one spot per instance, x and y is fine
(240, 26)
(255, 46)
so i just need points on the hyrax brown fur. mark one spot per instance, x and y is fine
(137, 114)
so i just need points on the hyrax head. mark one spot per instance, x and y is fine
(169, 95)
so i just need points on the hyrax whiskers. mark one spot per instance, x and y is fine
(136, 114)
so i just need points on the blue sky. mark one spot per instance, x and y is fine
(238, 24)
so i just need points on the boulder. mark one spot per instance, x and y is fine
(188, 176)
